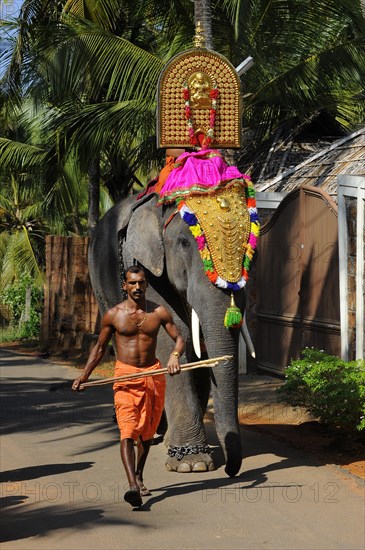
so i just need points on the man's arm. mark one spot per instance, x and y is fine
(97, 352)
(173, 364)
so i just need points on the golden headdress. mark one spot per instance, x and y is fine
(199, 101)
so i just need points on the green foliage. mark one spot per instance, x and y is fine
(22, 229)
(15, 297)
(78, 91)
(25, 331)
(8, 334)
(330, 389)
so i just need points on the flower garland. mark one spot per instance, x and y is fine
(190, 218)
(212, 114)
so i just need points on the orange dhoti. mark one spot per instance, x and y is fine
(139, 402)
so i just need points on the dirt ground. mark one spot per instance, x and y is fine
(346, 450)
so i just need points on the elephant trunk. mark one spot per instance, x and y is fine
(220, 341)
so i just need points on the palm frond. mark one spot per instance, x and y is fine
(102, 63)
(104, 12)
(14, 154)
(19, 257)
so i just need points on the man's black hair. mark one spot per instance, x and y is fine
(134, 269)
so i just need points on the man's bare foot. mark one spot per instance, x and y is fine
(143, 489)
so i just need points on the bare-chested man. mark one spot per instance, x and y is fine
(139, 402)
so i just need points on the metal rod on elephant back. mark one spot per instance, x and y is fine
(187, 366)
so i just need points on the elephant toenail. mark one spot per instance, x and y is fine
(183, 468)
(200, 467)
(168, 467)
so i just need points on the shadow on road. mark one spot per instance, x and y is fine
(39, 521)
(33, 472)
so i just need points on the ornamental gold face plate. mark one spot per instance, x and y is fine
(200, 86)
(225, 220)
(201, 70)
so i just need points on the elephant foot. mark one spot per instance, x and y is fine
(233, 467)
(232, 444)
(190, 458)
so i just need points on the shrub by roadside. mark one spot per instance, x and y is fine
(329, 389)
(25, 318)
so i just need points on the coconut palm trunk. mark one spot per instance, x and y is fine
(203, 14)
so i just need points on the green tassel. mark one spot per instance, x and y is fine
(233, 317)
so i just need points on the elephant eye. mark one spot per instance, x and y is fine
(183, 240)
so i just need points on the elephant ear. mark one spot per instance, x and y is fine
(144, 239)
(124, 209)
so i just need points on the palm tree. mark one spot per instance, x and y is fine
(22, 232)
(309, 64)
(203, 15)
(71, 97)
(99, 74)
(38, 196)
(309, 59)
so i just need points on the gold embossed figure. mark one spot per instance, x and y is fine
(200, 86)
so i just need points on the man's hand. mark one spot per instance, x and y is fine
(173, 365)
(80, 380)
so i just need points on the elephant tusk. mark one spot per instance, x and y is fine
(195, 325)
(247, 338)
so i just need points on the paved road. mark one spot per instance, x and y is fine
(62, 482)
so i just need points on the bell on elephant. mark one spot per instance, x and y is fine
(233, 317)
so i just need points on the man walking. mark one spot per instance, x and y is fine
(138, 403)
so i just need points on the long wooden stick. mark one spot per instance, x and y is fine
(213, 362)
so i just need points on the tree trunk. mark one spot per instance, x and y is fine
(202, 13)
(94, 195)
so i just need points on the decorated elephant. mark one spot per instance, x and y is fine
(194, 231)
(164, 239)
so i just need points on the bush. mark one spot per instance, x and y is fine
(15, 297)
(329, 389)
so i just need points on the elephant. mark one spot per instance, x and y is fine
(138, 230)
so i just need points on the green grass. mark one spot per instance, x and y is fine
(13, 334)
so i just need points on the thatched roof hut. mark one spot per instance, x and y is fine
(344, 156)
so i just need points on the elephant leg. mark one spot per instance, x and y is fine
(201, 383)
(188, 449)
